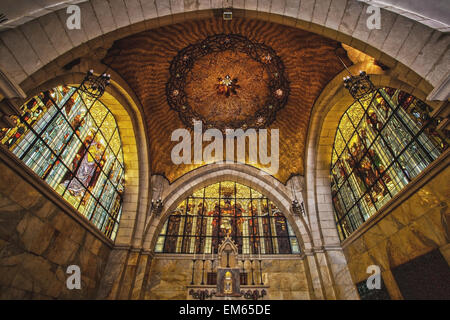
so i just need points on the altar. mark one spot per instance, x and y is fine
(226, 280)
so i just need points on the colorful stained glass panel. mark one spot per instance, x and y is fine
(65, 146)
(223, 209)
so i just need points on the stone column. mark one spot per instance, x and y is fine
(126, 274)
(342, 282)
(11, 99)
(110, 283)
(316, 281)
(330, 277)
(142, 275)
(129, 274)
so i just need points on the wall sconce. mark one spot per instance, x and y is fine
(156, 207)
(297, 207)
(359, 86)
(95, 86)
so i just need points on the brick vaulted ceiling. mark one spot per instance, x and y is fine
(144, 59)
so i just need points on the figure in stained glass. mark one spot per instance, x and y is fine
(394, 141)
(18, 132)
(217, 214)
(56, 137)
(226, 225)
(239, 220)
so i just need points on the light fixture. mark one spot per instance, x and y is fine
(297, 207)
(359, 86)
(95, 86)
(228, 15)
(156, 207)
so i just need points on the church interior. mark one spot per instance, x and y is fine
(135, 138)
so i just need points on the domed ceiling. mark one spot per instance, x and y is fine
(228, 74)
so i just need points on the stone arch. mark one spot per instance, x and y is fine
(411, 44)
(212, 173)
(326, 114)
(127, 112)
(325, 268)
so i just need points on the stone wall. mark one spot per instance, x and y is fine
(415, 227)
(287, 279)
(168, 278)
(38, 240)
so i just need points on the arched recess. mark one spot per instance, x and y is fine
(414, 45)
(239, 173)
(127, 112)
(327, 276)
(327, 111)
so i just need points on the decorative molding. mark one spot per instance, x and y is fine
(122, 247)
(441, 92)
(185, 256)
(323, 249)
(149, 253)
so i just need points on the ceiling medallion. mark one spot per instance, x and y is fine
(227, 81)
(226, 86)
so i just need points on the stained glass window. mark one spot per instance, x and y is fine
(73, 143)
(381, 144)
(205, 218)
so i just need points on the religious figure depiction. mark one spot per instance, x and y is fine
(227, 212)
(88, 171)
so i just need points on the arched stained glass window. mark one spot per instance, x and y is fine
(204, 219)
(381, 144)
(73, 143)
